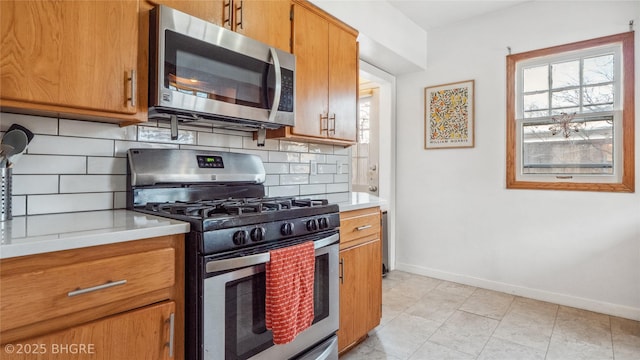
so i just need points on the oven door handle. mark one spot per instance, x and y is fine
(251, 260)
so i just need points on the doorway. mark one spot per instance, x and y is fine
(373, 158)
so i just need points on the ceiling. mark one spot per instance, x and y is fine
(430, 14)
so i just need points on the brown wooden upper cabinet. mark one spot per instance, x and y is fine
(326, 78)
(266, 21)
(71, 57)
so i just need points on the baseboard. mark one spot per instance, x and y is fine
(622, 311)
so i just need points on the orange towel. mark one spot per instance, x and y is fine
(289, 293)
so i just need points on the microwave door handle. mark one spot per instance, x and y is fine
(278, 88)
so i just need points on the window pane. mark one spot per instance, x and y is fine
(597, 108)
(536, 114)
(536, 78)
(565, 98)
(536, 101)
(598, 69)
(566, 110)
(598, 95)
(586, 151)
(565, 74)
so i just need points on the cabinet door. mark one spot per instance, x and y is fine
(77, 54)
(310, 44)
(343, 82)
(31, 53)
(266, 21)
(139, 334)
(213, 11)
(99, 52)
(360, 293)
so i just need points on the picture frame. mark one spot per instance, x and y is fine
(449, 115)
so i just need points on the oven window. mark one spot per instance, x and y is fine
(204, 70)
(245, 331)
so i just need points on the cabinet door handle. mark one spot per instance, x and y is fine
(229, 13)
(96, 288)
(240, 18)
(324, 123)
(332, 129)
(342, 270)
(363, 227)
(134, 87)
(172, 323)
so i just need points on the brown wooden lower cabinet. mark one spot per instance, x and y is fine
(360, 276)
(139, 334)
(107, 302)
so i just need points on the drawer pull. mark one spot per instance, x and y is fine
(363, 227)
(172, 323)
(96, 288)
(341, 271)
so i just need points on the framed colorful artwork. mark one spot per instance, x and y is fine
(448, 115)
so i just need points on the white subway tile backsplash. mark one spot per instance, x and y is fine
(313, 189)
(341, 159)
(321, 179)
(119, 200)
(219, 140)
(34, 184)
(207, 148)
(264, 155)
(49, 204)
(92, 183)
(162, 135)
(121, 147)
(81, 166)
(271, 180)
(319, 158)
(339, 150)
(89, 129)
(327, 169)
(50, 164)
(321, 148)
(64, 145)
(106, 165)
(343, 178)
(269, 144)
(276, 168)
(300, 168)
(293, 146)
(275, 156)
(294, 179)
(18, 205)
(291, 190)
(35, 124)
(333, 188)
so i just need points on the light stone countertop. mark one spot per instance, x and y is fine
(361, 200)
(37, 234)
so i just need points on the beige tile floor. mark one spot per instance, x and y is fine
(426, 318)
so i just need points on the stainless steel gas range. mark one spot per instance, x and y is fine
(233, 228)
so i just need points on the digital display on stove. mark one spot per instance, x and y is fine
(210, 162)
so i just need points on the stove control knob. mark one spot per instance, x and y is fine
(287, 229)
(323, 223)
(240, 237)
(258, 234)
(312, 225)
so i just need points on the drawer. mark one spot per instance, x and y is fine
(61, 290)
(358, 224)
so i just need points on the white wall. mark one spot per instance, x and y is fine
(457, 220)
(382, 37)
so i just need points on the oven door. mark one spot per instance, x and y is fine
(234, 306)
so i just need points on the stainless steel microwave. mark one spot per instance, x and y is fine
(201, 71)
